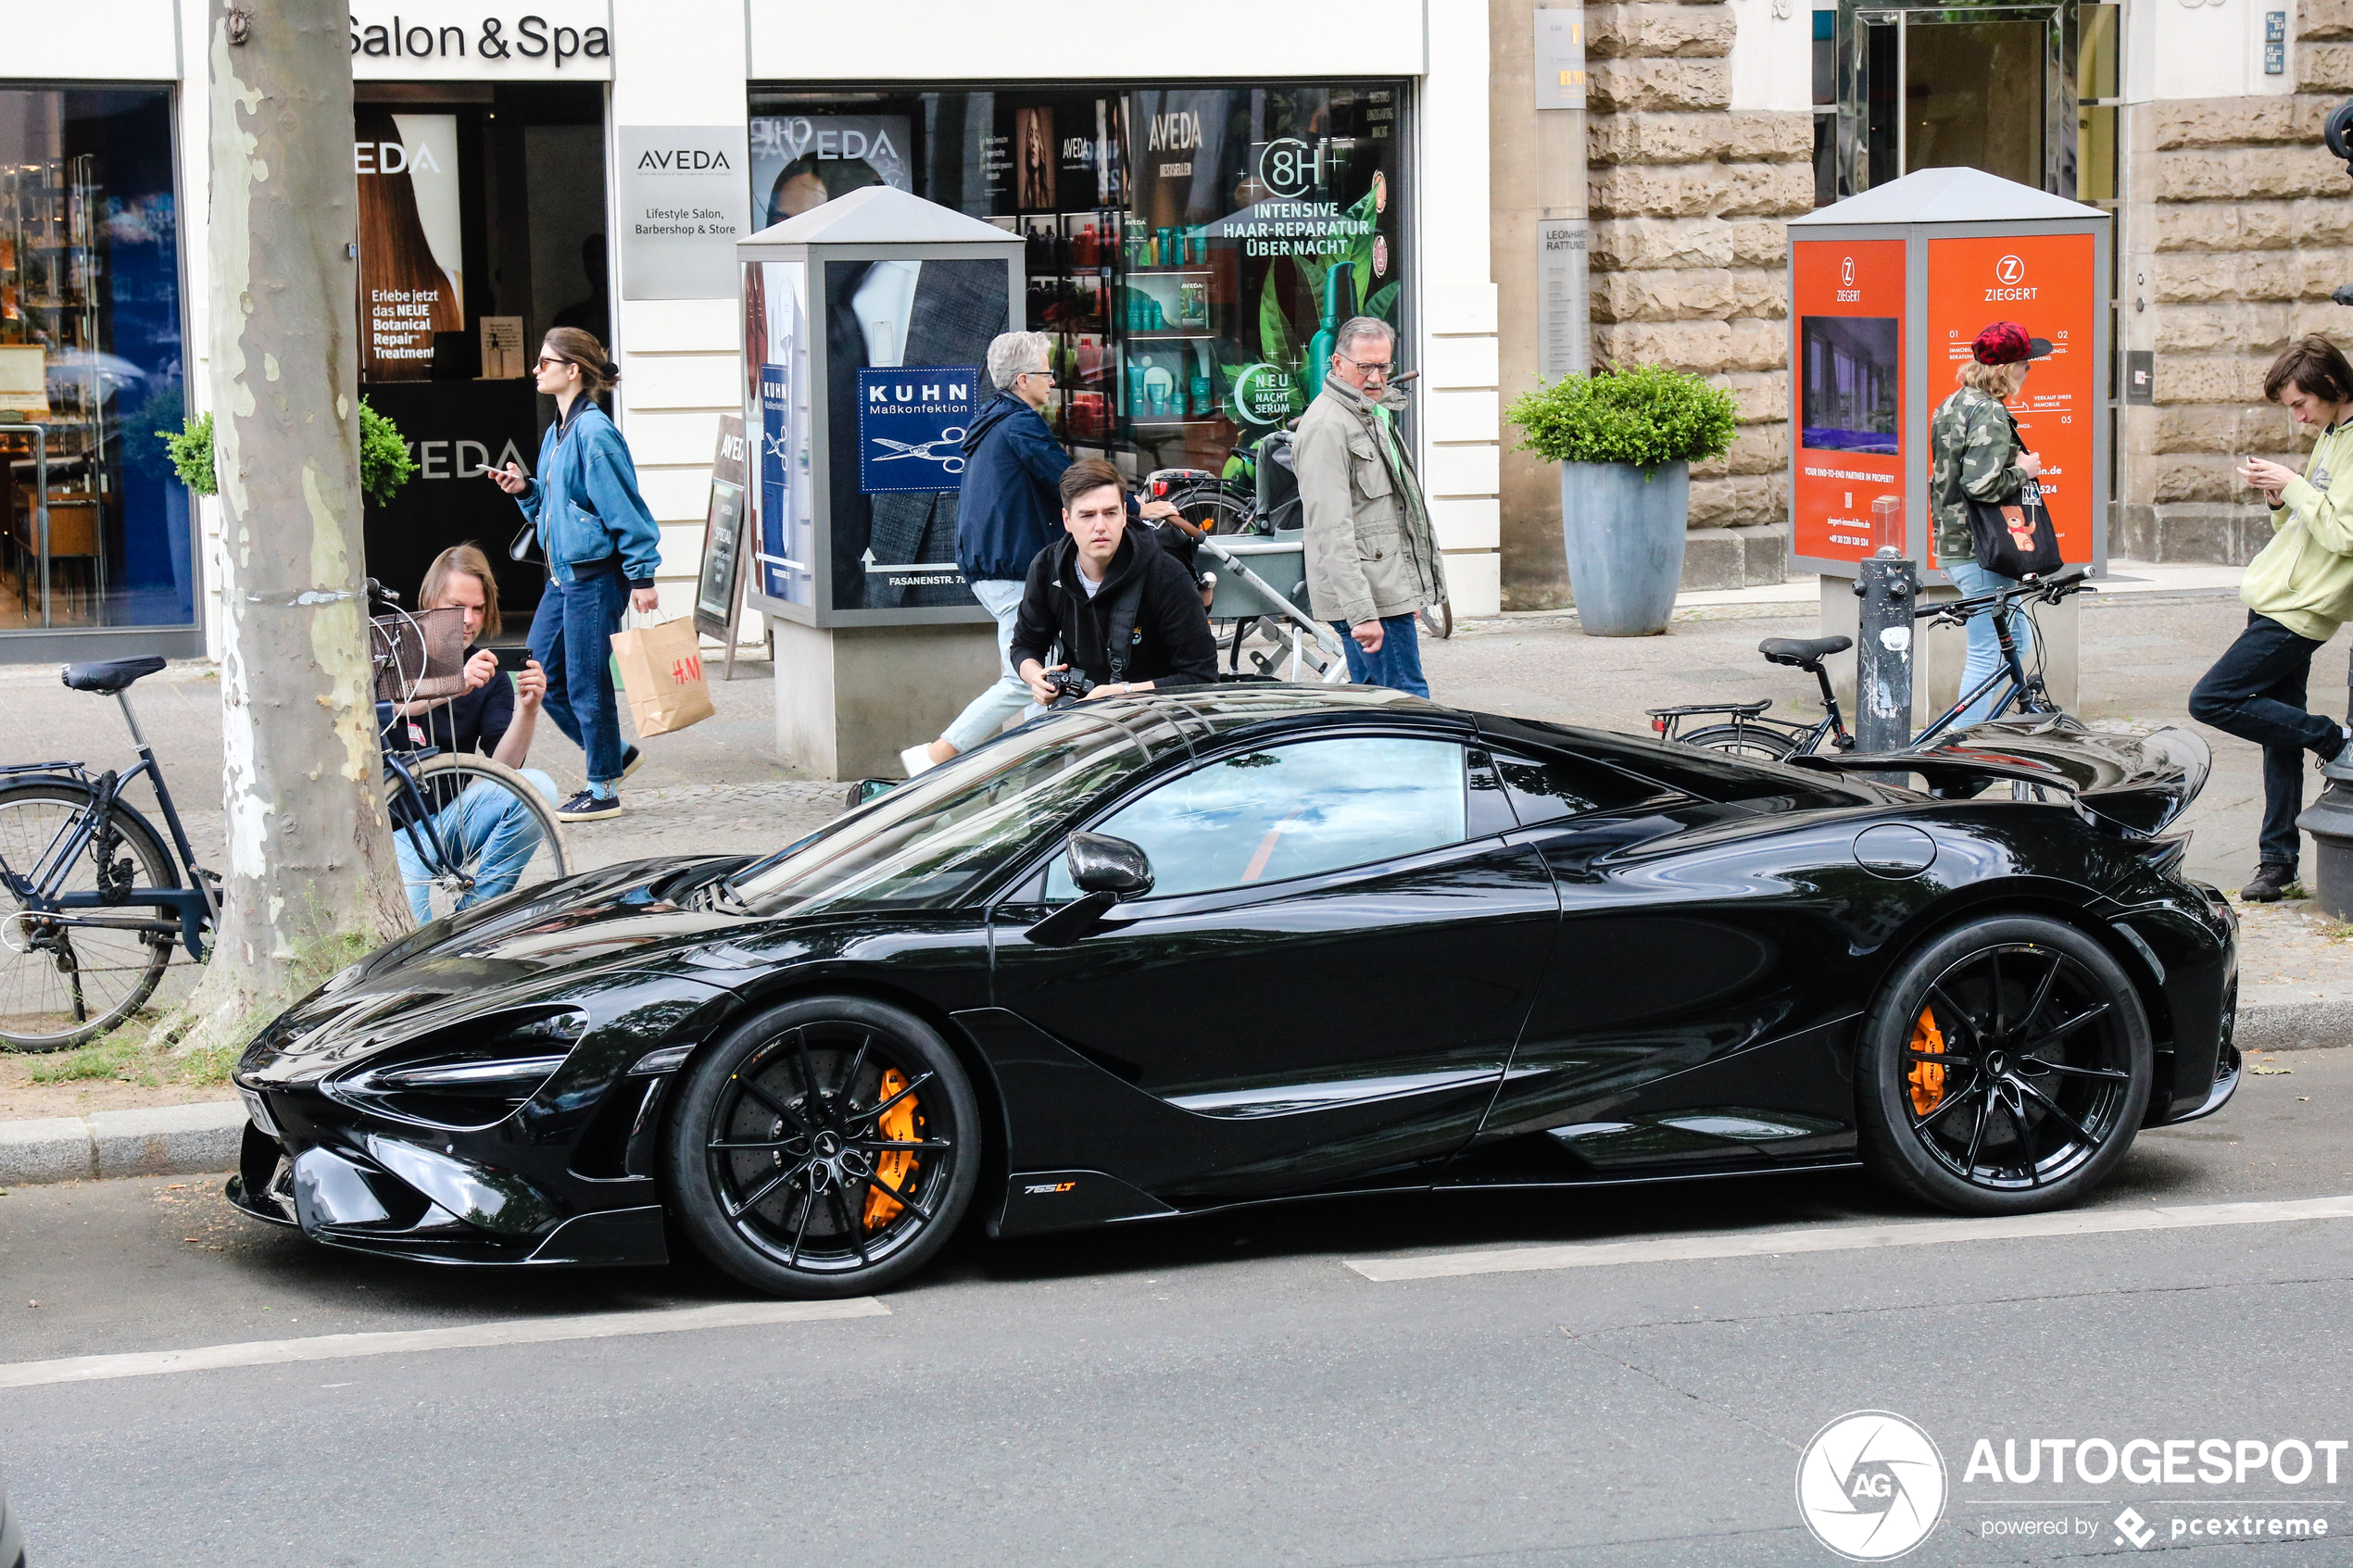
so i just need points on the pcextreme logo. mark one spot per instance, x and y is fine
(1870, 1485)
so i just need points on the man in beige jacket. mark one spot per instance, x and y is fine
(1372, 560)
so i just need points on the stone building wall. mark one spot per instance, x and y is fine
(1688, 202)
(2239, 225)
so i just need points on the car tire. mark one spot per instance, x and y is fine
(2005, 1068)
(790, 1136)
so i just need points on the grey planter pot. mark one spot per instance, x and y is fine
(1623, 534)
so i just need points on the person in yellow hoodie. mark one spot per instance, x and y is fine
(2296, 593)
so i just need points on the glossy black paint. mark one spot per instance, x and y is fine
(1644, 961)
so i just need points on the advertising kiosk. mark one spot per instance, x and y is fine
(866, 325)
(1888, 290)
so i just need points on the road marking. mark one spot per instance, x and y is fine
(1846, 1238)
(517, 1331)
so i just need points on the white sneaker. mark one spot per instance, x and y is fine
(915, 759)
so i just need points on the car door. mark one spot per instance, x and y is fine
(1322, 988)
(1675, 1024)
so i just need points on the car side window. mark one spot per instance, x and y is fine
(1551, 790)
(1291, 810)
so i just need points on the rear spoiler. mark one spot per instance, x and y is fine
(2135, 782)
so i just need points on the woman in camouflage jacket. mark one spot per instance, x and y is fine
(1978, 456)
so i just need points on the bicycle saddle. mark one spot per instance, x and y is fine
(108, 674)
(1803, 653)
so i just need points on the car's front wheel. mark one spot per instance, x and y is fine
(827, 1147)
(2005, 1069)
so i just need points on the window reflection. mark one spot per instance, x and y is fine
(1292, 810)
(90, 357)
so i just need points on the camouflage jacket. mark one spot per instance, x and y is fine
(1976, 446)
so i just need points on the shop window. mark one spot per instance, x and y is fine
(1193, 250)
(91, 356)
(481, 224)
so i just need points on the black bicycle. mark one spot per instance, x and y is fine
(92, 900)
(1744, 730)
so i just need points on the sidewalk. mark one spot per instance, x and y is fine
(716, 788)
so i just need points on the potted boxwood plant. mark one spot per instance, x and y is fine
(1625, 438)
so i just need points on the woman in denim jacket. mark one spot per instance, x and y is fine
(602, 547)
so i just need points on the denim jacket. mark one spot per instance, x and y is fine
(585, 501)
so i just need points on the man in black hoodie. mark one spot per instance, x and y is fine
(1005, 514)
(1128, 614)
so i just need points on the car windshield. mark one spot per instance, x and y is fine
(924, 844)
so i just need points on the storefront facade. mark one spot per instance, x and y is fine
(97, 552)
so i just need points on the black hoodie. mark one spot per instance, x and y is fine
(1169, 644)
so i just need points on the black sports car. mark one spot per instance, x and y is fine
(1151, 956)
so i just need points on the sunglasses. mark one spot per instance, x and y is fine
(546, 359)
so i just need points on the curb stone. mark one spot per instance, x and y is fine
(169, 1140)
(184, 1140)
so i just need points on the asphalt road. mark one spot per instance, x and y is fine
(1224, 1390)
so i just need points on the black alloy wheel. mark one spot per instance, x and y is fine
(2004, 1070)
(828, 1147)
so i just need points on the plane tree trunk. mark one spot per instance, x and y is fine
(311, 878)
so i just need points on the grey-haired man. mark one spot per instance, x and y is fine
(1371, 558)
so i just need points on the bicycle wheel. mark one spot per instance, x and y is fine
(490, 831)
(63, 984)
(1437, 620)
(1742, 740)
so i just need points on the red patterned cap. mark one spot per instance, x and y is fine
(2005, 342)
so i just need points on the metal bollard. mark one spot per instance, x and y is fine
(2330, 821)
(1888, 585)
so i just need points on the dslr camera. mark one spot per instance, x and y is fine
(1068, 686)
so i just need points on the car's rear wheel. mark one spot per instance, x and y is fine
(2005, 1068)
(826, 1148)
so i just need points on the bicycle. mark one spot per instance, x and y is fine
(98, 901)
(1747, 733)
(466, 827)
(1267, 506)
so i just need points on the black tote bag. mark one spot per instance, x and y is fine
(2015, 538)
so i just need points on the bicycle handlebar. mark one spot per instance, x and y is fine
(2050, 590)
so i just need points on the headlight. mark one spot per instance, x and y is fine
(466, 1075)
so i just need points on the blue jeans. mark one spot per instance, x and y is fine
(572, 638)
(1984, 644)
(486, 832)
(2256, 692)
(1398, 665)
(1009, 694)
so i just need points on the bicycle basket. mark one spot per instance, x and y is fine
(420, 656)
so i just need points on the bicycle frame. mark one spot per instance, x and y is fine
(2019, 689)
(195, 906)
(2025, 690)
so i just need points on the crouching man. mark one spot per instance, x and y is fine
(1128, 614)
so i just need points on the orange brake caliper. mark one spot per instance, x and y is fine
(1926, 1077)
(894, 1166)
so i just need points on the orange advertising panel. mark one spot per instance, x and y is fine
(1848, 390)
(2047, 284)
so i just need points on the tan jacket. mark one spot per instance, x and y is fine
(1370, 551)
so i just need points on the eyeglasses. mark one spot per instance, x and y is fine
(547, 359)
(1371, 367)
